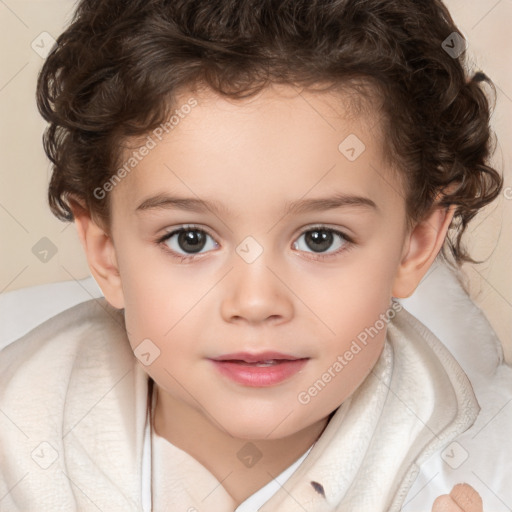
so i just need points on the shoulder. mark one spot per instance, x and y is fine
(77, 351)
(68, 387)
(79, 332)
(482, 454)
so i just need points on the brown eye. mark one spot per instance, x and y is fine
(187, 241)
(320, 239)
(191, 240)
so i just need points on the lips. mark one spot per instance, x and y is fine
(258, 370)
(256, 358)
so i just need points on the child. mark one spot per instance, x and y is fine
(277, 376)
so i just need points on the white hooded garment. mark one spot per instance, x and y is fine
(73, 399)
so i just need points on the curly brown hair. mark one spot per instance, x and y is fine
(117, 69)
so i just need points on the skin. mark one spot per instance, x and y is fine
(462, 498)
(253, 157)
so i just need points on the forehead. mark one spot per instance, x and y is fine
(280, 145)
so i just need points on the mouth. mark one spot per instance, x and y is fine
(258, 370)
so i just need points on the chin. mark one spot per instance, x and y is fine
(257, 433)
(260, 427)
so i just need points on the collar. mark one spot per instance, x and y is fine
(78, 439)
(415, 400)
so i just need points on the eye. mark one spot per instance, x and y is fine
(187, 242)
(189, 239)
(320, 238)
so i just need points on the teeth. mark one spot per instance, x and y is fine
(268, 362)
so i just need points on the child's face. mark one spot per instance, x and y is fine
(251, 289)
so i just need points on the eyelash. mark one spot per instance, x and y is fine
(349, 243)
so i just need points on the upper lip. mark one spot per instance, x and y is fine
(254, 358)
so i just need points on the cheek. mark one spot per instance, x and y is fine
(346, 359)
(349, 299)
(147, 292)
(353, 306)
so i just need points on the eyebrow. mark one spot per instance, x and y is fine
(167, 202)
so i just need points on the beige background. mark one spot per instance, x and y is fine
(24, 172)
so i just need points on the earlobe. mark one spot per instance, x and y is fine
(101, 257)
(422, 245)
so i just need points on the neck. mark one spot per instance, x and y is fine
(191, 431)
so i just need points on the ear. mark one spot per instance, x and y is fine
(421, 247)
(100, 252)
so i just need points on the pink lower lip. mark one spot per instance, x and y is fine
(259, 376)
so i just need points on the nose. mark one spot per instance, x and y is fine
(256, 292)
